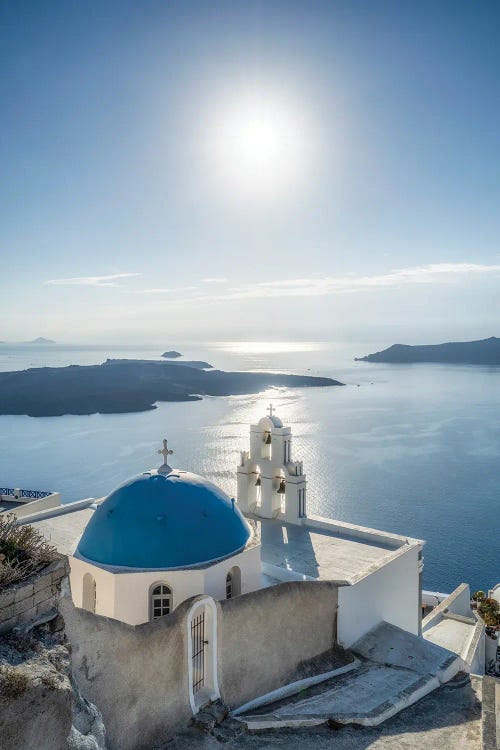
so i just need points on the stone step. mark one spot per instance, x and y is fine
(292, 688)
(368, 696)
(211, 715)
(388, 644)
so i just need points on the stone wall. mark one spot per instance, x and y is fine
(264, 636)
(136, 675)
(33, 599)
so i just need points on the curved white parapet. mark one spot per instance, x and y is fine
(294, 687)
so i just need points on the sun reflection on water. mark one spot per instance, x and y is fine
(270, 347)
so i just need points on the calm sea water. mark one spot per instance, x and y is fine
(408, 449)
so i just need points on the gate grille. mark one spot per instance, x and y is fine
(198, 643)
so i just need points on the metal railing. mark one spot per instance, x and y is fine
(34, 494)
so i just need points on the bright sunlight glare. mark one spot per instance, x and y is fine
(258, 146)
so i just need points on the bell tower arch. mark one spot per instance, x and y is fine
(270, 483)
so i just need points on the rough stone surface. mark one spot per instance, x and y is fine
(136, 676)
(447, 719)
(40, 705)
(30, 599)
(23, 591)
(6, 598)
(37, 715)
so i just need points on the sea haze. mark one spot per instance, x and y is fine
(412, 449)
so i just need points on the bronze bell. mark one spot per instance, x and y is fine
(268, 439)
(258, 482)
(282, 487)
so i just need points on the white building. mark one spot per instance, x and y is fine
(168, 535)
(154, 564)
(270, 484)
(159, 539)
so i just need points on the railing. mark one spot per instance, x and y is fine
(34, 494)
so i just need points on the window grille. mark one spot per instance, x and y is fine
(161, 601)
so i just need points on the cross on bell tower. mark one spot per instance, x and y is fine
(165, 452)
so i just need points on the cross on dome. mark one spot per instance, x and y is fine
(165, 452)
(270, 410)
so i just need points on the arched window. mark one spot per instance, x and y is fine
(233, 583)
(160, 601)
(229, 585)
(88, 592)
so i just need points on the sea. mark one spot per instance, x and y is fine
(410, 449)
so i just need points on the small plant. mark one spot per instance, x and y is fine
(23, 551)
(13, 681)
(491, 619)
(478, 596)
(489, 610)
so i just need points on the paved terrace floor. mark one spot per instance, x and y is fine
(313, 552)
(64, 531)
(318, 553)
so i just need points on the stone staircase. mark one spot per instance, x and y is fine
(394, 670)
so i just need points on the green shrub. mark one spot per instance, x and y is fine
(23, 551)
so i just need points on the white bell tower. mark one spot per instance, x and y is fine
(270, 484)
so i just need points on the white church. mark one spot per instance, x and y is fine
(238, 593)
(168, 535)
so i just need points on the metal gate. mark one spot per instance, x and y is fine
(198, 646)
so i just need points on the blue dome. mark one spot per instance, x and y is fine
(164, 521)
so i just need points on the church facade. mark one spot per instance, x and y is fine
(168, 535)
(159, 539)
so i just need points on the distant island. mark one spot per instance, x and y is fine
(483, 352)
(171, 354)
(39, 340)
(118, 387)
(196, 363)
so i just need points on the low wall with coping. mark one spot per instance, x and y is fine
(456, 606)
(264, 636)
(32, 599)
(395, 541)
(29, 497)
(138, 676)
(35, 506)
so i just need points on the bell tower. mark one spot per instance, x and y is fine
(270, 484)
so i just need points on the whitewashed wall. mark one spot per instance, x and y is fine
(124, 596)
(390, 593)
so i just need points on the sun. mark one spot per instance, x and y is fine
(256, 146)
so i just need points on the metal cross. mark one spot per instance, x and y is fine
(165, 451)
(270, 410)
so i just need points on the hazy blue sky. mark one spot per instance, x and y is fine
(250, 169)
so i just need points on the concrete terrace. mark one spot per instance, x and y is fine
(65, 530)
(320, 549)
(333, 554)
